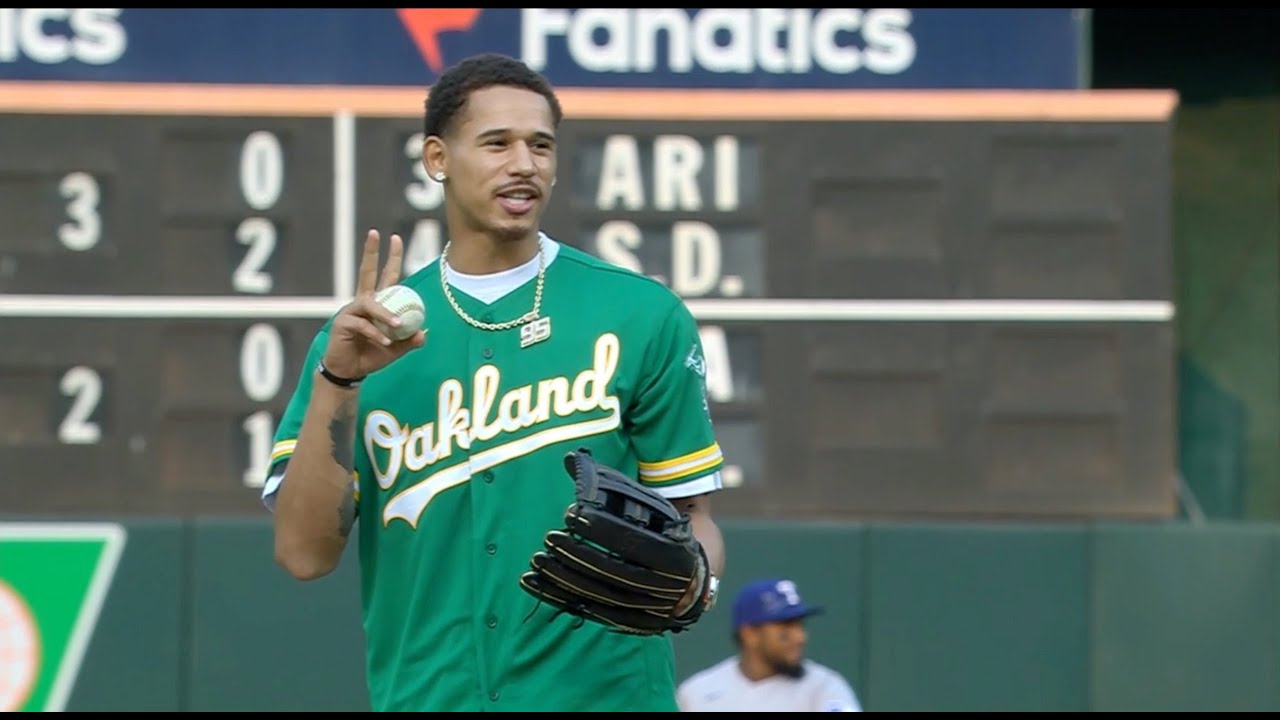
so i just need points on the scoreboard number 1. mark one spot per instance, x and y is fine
(259, 428)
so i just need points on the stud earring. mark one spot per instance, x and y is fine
(439, 177)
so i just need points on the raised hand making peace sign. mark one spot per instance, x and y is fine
(357, 347)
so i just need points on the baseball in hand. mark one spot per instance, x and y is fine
(405, 303)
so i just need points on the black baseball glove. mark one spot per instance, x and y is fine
(625, 558)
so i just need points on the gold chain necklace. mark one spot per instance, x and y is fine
(527, 317)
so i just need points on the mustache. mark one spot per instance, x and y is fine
(523, 186)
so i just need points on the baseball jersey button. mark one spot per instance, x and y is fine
(487, 318)
(488, 476)
(487, 353)
(494, 695)
(491, 621)
(491, 549)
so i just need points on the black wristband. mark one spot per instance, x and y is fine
(339, 381)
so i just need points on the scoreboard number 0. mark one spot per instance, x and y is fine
(261, 362)
(261, 170)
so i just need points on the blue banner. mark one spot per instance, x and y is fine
(584, 47)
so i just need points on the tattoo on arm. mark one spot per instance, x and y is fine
(346, 515)
(342, 438)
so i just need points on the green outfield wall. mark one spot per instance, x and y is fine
(196, 616)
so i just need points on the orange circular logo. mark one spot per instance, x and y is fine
(19, 650)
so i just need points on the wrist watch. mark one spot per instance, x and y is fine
(713, 589)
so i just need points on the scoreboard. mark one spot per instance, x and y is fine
(913, 303)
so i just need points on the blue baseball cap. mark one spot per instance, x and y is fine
(770, 600)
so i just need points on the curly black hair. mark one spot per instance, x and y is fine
(451, 91)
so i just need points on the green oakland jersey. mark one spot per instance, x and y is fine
(460, 473)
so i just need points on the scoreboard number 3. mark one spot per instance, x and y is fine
(84, 229)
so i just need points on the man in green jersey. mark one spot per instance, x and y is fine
(456, 437)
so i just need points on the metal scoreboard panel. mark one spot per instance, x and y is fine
(149, 410)
(912, 303)
(165, 205)
(151, 415)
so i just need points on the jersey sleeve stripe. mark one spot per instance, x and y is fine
(283, 449)
(692, 472)
(692, 458)
(700, 464)
(700, 486)
(272, 485)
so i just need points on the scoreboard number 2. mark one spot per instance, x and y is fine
(259, 234)
(84, 386)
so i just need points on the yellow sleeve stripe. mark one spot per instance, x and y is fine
(693, 472)
(283, 449)
(658, 467)
(686, 466)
